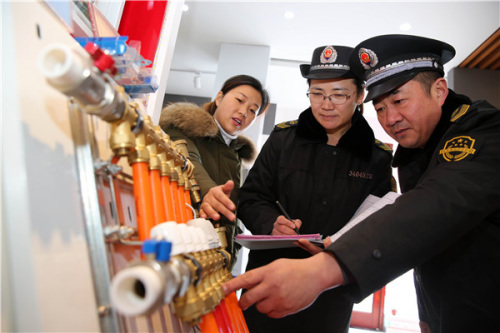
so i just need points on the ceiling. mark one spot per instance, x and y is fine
(486, 56)
(207, 24)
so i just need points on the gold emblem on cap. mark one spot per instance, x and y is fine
(367, 58)
(458, 148)
(329, 55)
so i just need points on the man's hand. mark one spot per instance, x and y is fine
(287, 286)
(310, 247)
(424, 327)
(283, 226)
(217, 201)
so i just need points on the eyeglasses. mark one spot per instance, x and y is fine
(318, 98)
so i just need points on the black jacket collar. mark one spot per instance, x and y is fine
(359, 138)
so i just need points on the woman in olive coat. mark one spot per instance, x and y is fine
(216, 147)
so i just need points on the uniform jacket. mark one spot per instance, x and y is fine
(319, 184)
(446, 225)
(215, 162)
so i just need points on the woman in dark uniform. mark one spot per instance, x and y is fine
(320, 168)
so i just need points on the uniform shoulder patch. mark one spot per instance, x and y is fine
(459, 112)
(286, 124)
(383, 146)
(459, 148)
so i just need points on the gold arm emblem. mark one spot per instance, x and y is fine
(458, 148)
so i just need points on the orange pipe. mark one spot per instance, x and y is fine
(182, 204)
(227, 317)
(222, 320)
(187, 195)
(177, 207)
(233, 301)
(235, 322)
(208, 324)
(168, 201)
(143, 199)
(158, 207)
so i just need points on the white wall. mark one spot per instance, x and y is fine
(45, 257)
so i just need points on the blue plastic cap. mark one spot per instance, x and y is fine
(149, 246)
(163, 250)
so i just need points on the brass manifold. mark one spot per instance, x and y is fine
(209, 270)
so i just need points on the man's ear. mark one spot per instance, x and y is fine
(440, 90)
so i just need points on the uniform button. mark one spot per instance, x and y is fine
(324, 202)
(334, 153)
(377, 254)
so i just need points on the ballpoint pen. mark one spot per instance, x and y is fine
(287, 216)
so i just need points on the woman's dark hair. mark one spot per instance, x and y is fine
(360, 85)
(241, 80)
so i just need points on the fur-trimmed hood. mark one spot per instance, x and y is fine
(195, 122)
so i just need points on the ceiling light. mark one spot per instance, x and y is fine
(289, 15)
(405, 27)
(185, 8)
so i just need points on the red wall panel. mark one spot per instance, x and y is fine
(142, 21)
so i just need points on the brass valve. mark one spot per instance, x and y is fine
(191, 183)
(191, 306)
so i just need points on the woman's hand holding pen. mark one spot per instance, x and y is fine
(283, 226)
(280, 227)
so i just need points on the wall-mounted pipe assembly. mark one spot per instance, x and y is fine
(184, 263)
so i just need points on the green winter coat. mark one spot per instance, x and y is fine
(215, 162)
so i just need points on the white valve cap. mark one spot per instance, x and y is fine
(170, 231)
(197, 241)
(208, 229)
(187, 237)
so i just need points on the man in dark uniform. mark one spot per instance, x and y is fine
(446, 225)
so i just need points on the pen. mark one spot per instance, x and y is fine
(287, 216)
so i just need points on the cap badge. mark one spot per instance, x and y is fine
(368, 58)
(329, 55)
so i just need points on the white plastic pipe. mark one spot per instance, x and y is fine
(137, 290)
(62, 67)
(71, 71)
